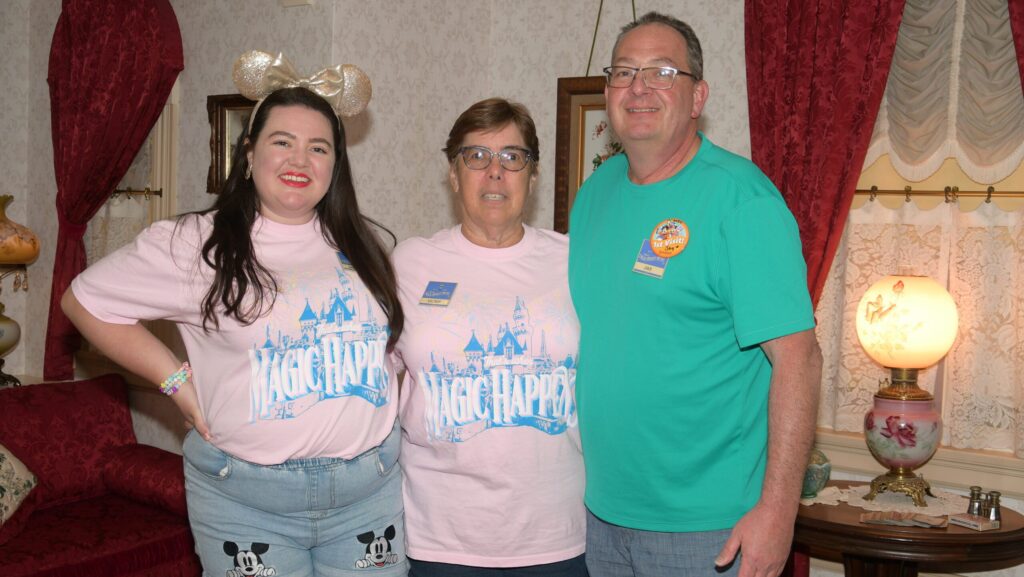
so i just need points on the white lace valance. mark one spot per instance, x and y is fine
(954, 91)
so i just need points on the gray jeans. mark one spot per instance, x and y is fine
(614, 551)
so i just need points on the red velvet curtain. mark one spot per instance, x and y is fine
(816, 72)
(1017, 28)
(112, 66)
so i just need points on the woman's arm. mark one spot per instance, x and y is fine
(137, 350)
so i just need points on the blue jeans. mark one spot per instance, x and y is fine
(575, 567)
(306, 517)
(614, 551)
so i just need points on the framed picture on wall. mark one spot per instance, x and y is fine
(583, 139)
(229, 115)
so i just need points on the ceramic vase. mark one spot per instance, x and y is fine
(902, 434)
(819, 469)
(18, 244)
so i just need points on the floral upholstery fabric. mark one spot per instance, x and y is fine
(13, 526)
(63, 432)
(16, 481)
(109, 535)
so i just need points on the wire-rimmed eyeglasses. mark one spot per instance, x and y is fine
(511, 158)
(654, 77)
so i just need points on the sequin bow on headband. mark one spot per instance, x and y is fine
(345, 87)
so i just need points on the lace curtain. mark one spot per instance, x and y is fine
(122, 217)
(980, 254)
(954, 91)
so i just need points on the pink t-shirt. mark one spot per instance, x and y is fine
(491, 454)
(308, 379)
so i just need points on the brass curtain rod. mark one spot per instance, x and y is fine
(146, 192)
(950, 193)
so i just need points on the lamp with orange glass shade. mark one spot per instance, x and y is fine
(19, 247)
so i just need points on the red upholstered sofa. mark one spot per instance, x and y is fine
(105, 505)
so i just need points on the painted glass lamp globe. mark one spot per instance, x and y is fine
(905, 323)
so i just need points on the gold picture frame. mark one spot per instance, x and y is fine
(229, 115)
(583, 139)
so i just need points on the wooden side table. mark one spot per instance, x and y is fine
(835, 533)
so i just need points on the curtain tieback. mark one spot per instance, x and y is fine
(73, 229)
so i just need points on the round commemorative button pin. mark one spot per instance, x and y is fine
(669, 238)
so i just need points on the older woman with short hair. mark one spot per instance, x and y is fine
(490, 450)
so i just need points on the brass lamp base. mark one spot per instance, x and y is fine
(903, 387)
(897, 481)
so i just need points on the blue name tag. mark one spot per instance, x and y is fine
(438, 294)
(648, 263)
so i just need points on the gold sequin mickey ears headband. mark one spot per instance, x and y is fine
(345, 87)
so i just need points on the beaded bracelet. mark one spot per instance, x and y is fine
(172, 383)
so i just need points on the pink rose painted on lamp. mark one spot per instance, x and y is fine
(904, 433)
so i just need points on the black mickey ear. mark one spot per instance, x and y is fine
(389, 533)
(365, 538)
(260, 548)
(230, 548)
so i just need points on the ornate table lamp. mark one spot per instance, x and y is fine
(18, 247)
(905, 323)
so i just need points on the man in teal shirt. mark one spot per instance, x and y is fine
(698, 373)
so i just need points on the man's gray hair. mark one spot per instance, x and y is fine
(694, 54)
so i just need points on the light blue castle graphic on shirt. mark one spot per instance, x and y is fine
(510, 382)
(338, 352)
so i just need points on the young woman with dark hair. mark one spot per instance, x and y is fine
(228, 250)
(287, 305)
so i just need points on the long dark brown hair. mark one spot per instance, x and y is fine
(242, 287)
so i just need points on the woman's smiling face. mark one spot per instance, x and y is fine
(292, 163)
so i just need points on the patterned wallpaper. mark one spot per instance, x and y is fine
(40, 215)
(427, 65)
(14, 67)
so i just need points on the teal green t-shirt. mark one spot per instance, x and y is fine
(672, 387)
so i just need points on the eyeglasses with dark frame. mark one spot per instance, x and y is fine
(511, 158)
(654, 77)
